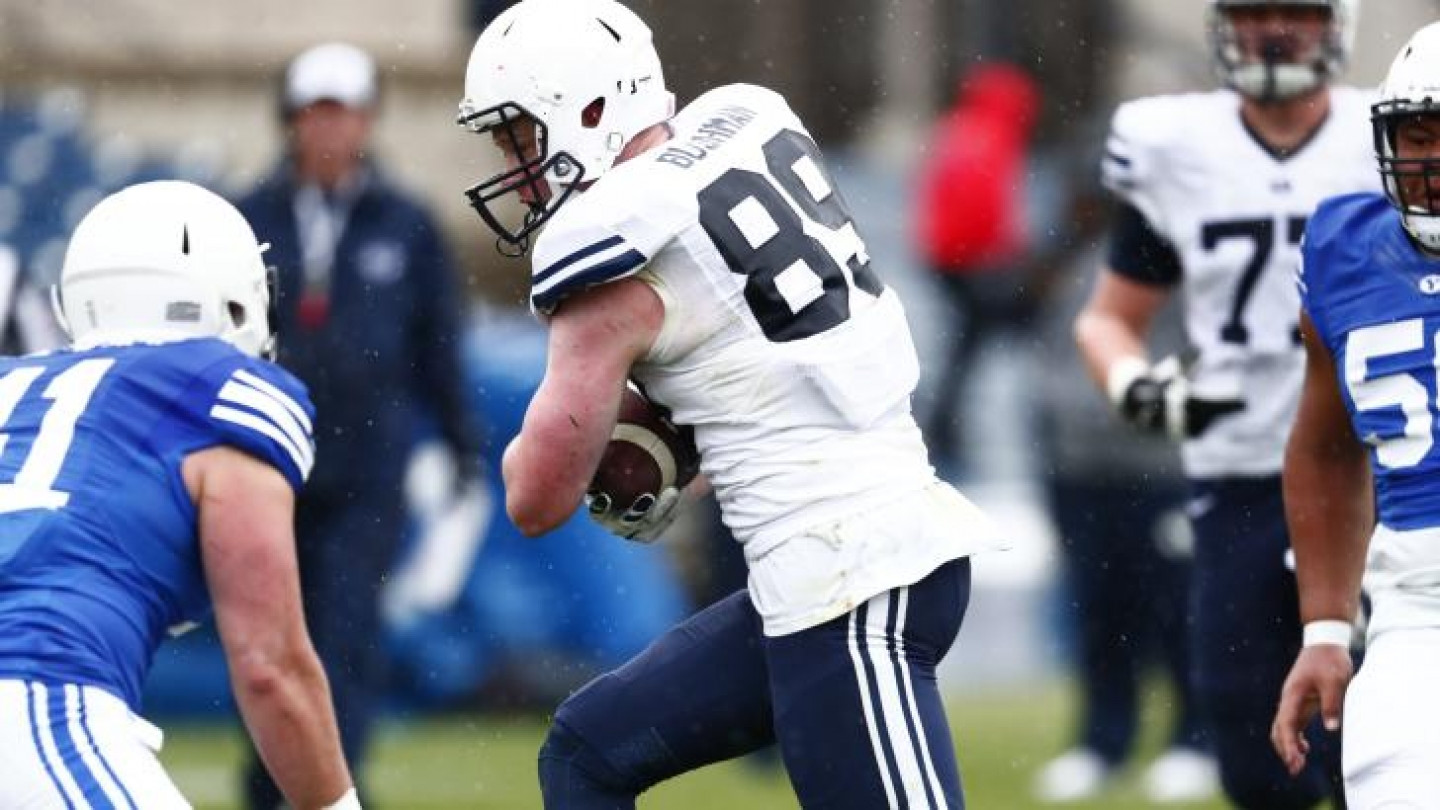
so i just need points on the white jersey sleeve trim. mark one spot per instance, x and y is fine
(606, 260)
(249, 420)
(283, 398)
(268, 412)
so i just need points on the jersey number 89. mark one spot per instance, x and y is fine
(794, 283)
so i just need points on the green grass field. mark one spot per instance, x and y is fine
(488, 762)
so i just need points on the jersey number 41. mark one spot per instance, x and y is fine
(32, 485)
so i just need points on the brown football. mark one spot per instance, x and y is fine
(647, 453)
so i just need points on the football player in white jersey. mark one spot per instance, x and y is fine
(1214, 190)
(708, 255)
(1361, 465)
(149, 475)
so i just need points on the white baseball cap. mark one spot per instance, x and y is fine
(334, 71)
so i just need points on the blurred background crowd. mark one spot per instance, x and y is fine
(95, 96)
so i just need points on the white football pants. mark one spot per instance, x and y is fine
(68, 746)
(1391, 726)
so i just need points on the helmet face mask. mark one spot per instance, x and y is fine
(269, 346)
(1280, 65)
(1406, 127)
(586, 73)
(523, 139)
(166, 261)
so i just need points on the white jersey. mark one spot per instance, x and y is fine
(1234, 213)
(780, 347)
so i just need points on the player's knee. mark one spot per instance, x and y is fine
(575, 773)
(1254, 788)
(1252, 776)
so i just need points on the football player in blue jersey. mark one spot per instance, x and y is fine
(707, 254)
(1215, 189)
(148, 474)
(1362, 469)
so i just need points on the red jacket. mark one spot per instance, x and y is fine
(971, 211)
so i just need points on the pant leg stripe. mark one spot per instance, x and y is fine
(865, 679)
(61, 721)
(914, 721)
(94, 756)
(881, 635)
(45, 744)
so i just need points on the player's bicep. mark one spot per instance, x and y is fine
(265, 413)
(1322, 424)
(595, 337)
(245, 511)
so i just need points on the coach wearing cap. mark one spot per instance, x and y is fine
(368, 313)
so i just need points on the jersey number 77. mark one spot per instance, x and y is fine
(1262, 235)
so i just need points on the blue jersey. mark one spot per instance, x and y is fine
(1375, 300)
(99, 552)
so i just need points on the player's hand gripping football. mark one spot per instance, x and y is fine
(1158, 399)
(1317, 682)
(641, 480)
(644, 520)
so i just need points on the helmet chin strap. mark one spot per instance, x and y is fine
(1424, 229)
(512, 250)
(516, 248)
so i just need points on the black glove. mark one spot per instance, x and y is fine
(1156, 399)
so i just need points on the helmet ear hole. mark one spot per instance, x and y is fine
(593, 112)
(236, 312)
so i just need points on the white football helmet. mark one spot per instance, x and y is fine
(1275, 78)
(586, 72)
(165, 261)
(1412, 87)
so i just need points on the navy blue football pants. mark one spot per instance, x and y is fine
(853, 704)
(1129, 598)
(1246, 635)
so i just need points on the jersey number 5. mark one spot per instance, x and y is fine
(1378, 397)
(794, 283)
(69, 393)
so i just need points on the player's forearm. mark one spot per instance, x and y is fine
(1104, 340)
(542, 492)
(1329, 514)
(288, 711)
(548, 467)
